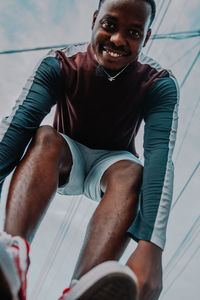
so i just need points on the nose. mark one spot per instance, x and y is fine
(118, 39)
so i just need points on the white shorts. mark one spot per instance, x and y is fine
(88, 167)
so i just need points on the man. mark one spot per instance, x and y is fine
(103, 90)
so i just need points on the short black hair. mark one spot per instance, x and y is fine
(151, 2)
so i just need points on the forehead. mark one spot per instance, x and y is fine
(131, 10)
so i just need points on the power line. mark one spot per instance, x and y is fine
(160, 23)
(175, 35)
(56, 244)
(183, 247)
(185, 186)
(69, 247)
(182, 270)
(164, 46)
(190, 69)
(195, 107)
(184, 54)
(180, 252)
(187, 129)
(159, 6)
(158, 14)
(34, 49)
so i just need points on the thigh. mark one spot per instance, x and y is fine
(95, 182)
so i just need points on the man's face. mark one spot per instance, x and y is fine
(119, 31)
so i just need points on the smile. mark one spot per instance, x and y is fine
(113, 54)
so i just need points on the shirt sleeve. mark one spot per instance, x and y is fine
(161, 121)
(38, 96)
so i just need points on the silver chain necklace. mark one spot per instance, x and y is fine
(112, 78)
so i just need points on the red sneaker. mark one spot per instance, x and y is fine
(14, 262)
(109, 280)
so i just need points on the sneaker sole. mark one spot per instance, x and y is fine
(8, 273)
(107, 281)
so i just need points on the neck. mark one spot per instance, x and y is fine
(112, 73)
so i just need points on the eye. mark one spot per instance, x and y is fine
(135, 34)
(108, 25)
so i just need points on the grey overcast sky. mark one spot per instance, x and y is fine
(35, 23)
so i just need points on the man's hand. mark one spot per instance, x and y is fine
(146, 262)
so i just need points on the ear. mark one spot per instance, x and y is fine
(94, 18)
(147, 37)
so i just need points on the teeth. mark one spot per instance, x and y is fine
(114, 54)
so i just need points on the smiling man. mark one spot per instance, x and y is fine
(120, 30)
(103, 90)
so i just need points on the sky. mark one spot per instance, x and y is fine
(35, 23)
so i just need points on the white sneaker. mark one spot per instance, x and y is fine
(107, 281)
(14, 261)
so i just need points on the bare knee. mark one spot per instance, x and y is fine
(124, 175)
(47, 137)
(49, 142)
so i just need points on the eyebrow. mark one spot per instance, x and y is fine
(135, 25)
(110, 17)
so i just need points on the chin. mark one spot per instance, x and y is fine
(114, 66)
(110, 64)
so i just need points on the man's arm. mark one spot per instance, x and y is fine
(159, 139)
(38, 96)
(150, 225)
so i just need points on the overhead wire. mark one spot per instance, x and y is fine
(182, 270)
(196, 226)
(187, 129)
(195, 107)
(180, 35)
(69, 249)
(184, 54)
(173, 26)
(159, 9)
(185, 135)
(175, 35)
(195, 229)
(185, 185)
(33, 49)
(56, 244)
(158, 5)
(186, 243)
(159, 25)
(191, 235)
(190, 69)
(180, 10)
